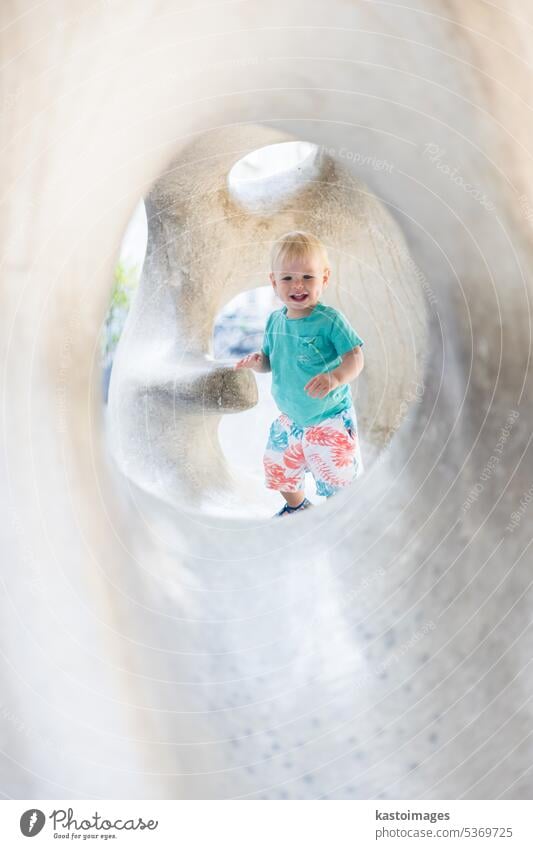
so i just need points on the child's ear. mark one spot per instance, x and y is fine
(326, 275)
(272, 279)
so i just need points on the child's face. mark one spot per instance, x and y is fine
(299, 284)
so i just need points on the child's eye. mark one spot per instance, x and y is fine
(308, 276)
(286, 278)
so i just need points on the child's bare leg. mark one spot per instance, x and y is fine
(293, 499)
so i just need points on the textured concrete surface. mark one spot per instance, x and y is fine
(379, 647)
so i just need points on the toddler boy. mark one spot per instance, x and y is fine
(314, 353)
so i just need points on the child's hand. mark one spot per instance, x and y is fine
(322, 384)
(253, 361)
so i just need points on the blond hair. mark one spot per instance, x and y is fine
(297, 244)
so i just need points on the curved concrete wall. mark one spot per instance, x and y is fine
(379, 648)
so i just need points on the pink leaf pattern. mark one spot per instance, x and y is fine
(276, 477)
(325, 472)
(327, 436)
(343, 455)
(293, 456)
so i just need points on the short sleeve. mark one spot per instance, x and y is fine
(266, 348)
(343, 335)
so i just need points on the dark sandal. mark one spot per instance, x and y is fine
(286, 510)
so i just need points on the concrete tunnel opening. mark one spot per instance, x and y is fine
(178, 415)
(386, 656)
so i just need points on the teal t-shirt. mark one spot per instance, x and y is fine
(300, 348)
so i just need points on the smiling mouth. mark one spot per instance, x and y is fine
(299, 297)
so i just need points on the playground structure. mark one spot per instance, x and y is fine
(375, 647)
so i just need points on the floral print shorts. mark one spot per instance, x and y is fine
(329, 450)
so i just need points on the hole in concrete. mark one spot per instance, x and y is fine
(239, 329)
(175, 400)
(268, 177)
(240, 325)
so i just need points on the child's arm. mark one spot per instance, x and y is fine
(257, 362)
(350, 368)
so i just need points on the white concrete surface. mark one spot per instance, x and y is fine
(381, 646)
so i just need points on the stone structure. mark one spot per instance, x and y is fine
(380, 646)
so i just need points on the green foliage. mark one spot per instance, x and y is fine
(124, 282)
